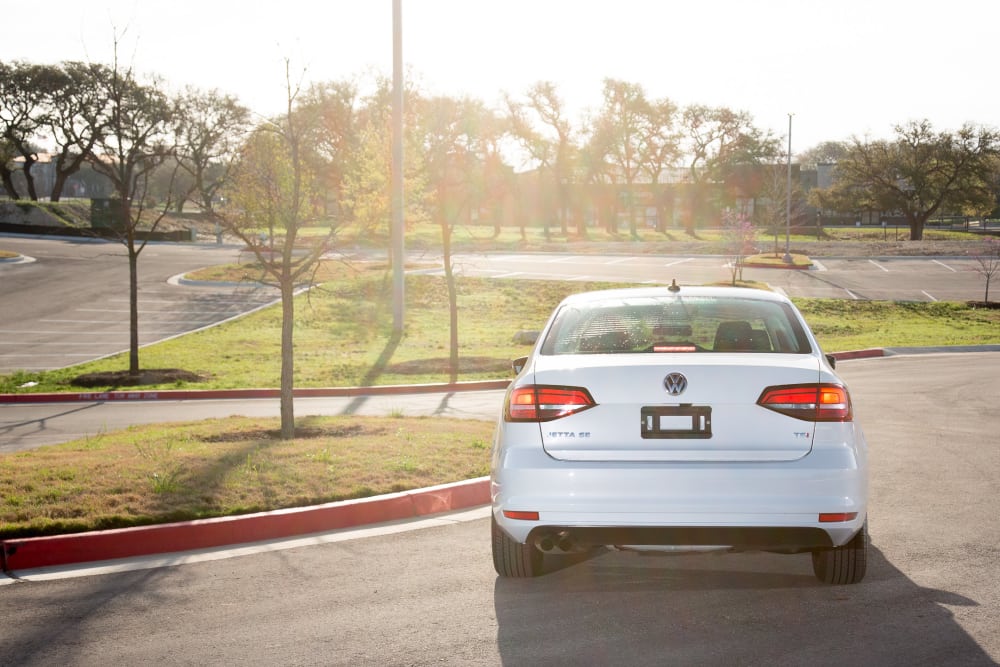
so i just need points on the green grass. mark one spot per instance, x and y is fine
(222, 467)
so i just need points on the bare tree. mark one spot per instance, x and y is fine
(988, 263)
(740, 234)
(272, 188)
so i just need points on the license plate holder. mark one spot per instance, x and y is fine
(676, 421)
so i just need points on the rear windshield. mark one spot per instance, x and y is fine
(676, 324)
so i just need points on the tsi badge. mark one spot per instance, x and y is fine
(675, 384)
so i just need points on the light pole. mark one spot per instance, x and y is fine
(398, 226)
(788, 198)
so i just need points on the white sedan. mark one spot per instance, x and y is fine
(679, 418)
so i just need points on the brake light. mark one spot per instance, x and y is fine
(809, 402)
(542, 403)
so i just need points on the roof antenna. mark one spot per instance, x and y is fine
(674, 287)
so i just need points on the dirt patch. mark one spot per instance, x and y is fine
(125, 379)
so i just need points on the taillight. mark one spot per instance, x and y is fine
(809, 402)
(542, 403)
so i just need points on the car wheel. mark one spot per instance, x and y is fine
(513, 559)
(844, 564)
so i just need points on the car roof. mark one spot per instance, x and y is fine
(675, 291)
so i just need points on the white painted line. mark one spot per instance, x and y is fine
(818, 265)
(679, 261)
(928, 295)
(851, 294)
(620, 260)
(953, 270)
(872, 261)
(511, 274)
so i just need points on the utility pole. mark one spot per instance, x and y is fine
(788, 198)
(398, 226)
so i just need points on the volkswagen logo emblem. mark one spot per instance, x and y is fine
(675, 384)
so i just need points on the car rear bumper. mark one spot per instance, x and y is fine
(753, 506)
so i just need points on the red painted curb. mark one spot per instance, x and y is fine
(34, 552)
(860, 354)
(192, 394)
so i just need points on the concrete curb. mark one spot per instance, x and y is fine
(34, 552)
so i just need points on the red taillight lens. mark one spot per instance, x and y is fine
(541, 403)
(809, 402)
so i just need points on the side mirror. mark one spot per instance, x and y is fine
(518, 364)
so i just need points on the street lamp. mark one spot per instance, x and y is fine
(788, 198)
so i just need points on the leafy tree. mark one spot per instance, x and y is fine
(453, 154)
(918, 174)
(24, 91)
(76, 118)
(719, 141)
(660, 145)
(827, 152)
(273, 188)
(333, 135)
(365, 187)
(552, 146)
(621, 128)
(209, 127)
(136, 142)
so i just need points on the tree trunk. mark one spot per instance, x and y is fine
(917, 226)
(287, 359)
(449, 277)
(7, 178)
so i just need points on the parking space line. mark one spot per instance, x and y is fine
(952, 269)
(851, 294)
(679, 261)
(928, 296)
(872, 261)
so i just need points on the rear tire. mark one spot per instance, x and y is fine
(844, 564)
(513, 559)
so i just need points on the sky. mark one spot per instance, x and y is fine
(841, 68)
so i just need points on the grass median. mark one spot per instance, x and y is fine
(168, 472)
